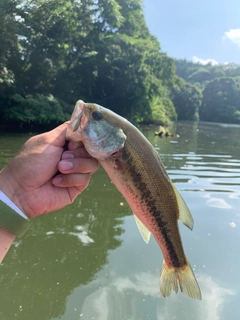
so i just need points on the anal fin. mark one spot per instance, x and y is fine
(145, 233)
(184, 213)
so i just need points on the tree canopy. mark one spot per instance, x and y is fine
(221, 100)
(220, 87)
(187, 100)
(54, 52)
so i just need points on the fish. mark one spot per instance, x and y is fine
(137, 171)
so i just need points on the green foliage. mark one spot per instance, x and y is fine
(220, 86)
(232, 70)
(187, 101)
(201, 75)
(162, 112)
(185, 69)
(37, 109)
(198, 73)
(9, 25)
(99, 51)
(221, 101)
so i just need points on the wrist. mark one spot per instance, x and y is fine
(10, 188)
(12, 217)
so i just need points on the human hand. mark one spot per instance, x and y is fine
(43, 177)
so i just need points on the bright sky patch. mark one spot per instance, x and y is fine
(204, 62)
(233, 35)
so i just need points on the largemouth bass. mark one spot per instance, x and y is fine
(135, 168)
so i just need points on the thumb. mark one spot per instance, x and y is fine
(57, 136)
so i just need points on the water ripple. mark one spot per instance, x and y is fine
(195, 172)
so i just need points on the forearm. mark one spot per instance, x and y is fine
(6, 237)
(6, 240)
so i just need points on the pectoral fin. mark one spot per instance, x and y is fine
(145, 233)
(184, 214)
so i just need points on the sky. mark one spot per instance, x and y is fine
(197, 30)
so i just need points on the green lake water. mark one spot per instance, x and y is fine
(88, 260)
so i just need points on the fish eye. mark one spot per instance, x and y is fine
(96, 115)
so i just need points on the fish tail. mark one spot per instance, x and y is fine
(183, 277)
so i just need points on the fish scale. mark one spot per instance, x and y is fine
(151, 190)
(135, 168)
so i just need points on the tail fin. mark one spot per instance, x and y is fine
(170, 278)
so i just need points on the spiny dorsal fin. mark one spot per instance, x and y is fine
(145, 233)
(184, 214)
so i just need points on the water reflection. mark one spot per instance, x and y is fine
(88, 261)
(210, 309)
(215, 297)
(120, 298)
(216, 202)
(63, 251)
(116, 299)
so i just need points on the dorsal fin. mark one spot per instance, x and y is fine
(184, 213)
(145, 233)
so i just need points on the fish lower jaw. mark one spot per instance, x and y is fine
(111, 155)
(116, 153)
(95, 153)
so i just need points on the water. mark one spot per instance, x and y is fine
(88, 261)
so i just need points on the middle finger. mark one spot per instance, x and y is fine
(78, 165)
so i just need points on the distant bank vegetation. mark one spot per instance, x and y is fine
(54, 52)
(212, 91)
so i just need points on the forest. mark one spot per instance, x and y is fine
(209, 93)
(54, 52)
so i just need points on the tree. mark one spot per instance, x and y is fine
(99, 51)
(185, 68)
(187, 101)
(9, 24)
(221, 101)
(200, 76)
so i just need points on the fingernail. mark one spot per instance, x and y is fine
(57, 180)
(65, 165)
(67, 155)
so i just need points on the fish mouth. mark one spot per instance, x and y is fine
(77, 122)
(116, 153)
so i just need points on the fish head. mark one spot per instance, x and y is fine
(97, 128)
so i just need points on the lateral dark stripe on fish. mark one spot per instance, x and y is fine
(151, 204)
(137, 171)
